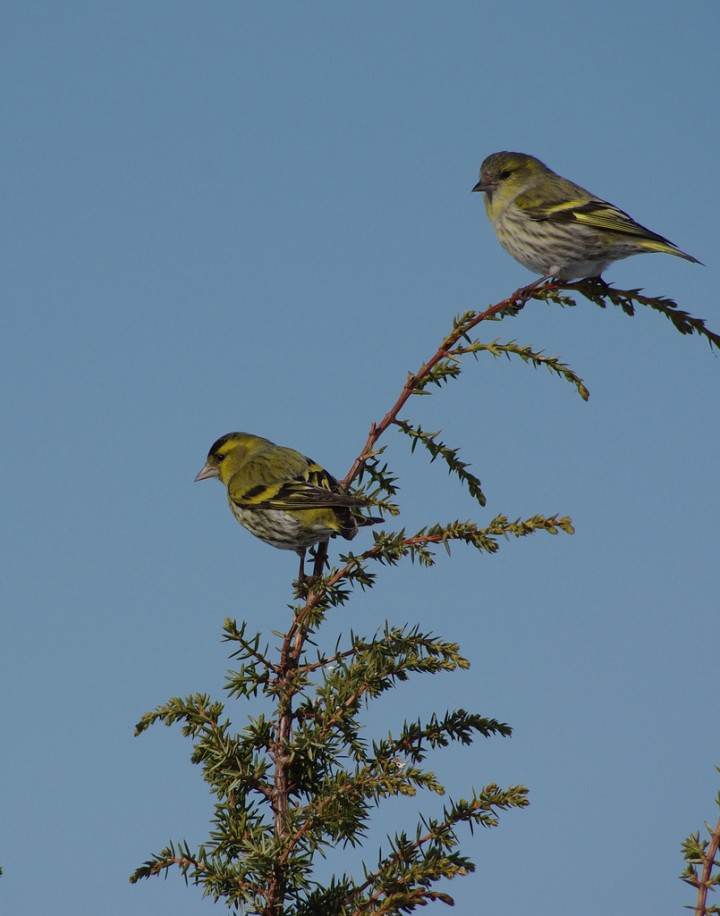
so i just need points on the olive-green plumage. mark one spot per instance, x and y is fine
(556, 228)
(280, 496)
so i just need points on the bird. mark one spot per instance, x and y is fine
(554, 227)
(281, 496)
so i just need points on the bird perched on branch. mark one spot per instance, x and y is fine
(556, 228)
(282, 497)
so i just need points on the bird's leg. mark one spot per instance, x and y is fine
(521, 296)
(320, 555)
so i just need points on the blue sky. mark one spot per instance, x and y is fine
(252, 216)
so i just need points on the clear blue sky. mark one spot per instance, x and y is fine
(236, 215)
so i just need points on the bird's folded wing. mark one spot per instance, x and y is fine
(302, 484)
(597, 214)
(295, 494)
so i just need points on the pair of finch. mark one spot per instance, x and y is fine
(550, 225)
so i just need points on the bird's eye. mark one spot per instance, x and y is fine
(220, 457)
(506, 173)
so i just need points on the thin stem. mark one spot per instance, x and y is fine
(513, 303)
(704, 882)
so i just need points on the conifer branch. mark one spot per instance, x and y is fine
(703, 868)
(527, 355)
(436, 448)
(601, 293)
(441, 366)
(401, 881)
(302, 778)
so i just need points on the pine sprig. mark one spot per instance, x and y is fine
(416, 738)
(527, 355)
(249, 678)
(181, 856)
(383, 484)
(200, 714)
(390, 547)
(332, 590)
(442, 372)
(703, 865)
(402, 880)
(440, 368)
(601, 293)
(438, 449)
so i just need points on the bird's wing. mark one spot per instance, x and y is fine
(282, 478)
(597, 214)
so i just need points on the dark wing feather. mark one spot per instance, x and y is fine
(281, 478)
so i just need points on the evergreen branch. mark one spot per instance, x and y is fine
(383, 484)
(703, 855)
(449, 367)
(219, 754)
(167, 858)
(438, 449)
(438, 368)
(372, 668)
(402, 879)
(248, 679)
(325, 661)
(336, 812)
(600, 293)
(391, 547)
(248, 647)
(401, 641)
(198, 711)
(527, 355)
(337, 808)
(456, 726)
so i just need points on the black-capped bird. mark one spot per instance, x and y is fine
(282, 497)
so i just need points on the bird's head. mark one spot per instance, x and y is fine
(504, 176)
(227, 455)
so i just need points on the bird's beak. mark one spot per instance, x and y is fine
(207, 471)
(483, 185)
